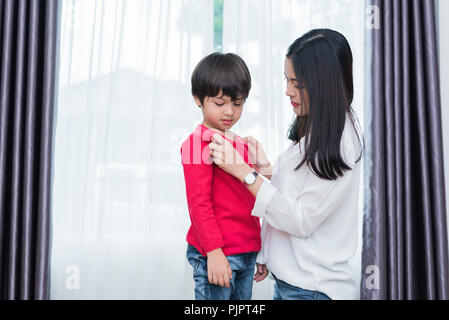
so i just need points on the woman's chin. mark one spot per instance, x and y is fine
(299, 112)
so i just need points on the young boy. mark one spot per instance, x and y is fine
(223, 238)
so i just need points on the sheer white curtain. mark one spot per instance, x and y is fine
(260, 31)
(124, 105)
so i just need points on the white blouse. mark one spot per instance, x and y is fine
(310, 225)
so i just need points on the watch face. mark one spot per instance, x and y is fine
(250, 179)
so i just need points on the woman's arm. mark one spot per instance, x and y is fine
(266, 171)
(299, 216)
(229, 160)
(302, 215)
(240, 173)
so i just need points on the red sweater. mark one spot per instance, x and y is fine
(219, 204)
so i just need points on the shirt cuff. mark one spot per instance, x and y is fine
(260, 259)
(263, 199)
(213, 247)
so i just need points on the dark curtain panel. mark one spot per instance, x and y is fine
(405, 234)
(27, 82)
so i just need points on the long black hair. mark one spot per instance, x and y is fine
(322, 61)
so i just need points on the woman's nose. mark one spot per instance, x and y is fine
(289, 92)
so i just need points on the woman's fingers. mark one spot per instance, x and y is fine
(250, 140)
(214, 146)
(224, 154)
(256, 275)
(262, 273)
(217, 138)
(218, 157)
(216, 152)
(258, 272)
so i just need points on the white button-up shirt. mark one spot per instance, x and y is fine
(310, 225)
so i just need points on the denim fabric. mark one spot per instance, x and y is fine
(285, 291)
(241, 284)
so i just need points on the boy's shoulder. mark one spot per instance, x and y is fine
(195, 149)
(200, 135)
(203, 135)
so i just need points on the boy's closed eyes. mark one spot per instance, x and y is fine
(220, 101)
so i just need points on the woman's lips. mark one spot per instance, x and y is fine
(294, 104)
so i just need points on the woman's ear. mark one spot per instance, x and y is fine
(197, 101)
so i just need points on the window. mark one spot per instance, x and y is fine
(218, 25)
(124, 108)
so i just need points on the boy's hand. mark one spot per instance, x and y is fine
(261, 273)
(218, 269)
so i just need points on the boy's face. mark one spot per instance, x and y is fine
(220, 112)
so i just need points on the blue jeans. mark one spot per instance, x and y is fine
(241, 284)
(285, 291)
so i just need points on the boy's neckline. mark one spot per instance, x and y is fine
(217, 131)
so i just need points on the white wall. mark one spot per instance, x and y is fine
(443, 12)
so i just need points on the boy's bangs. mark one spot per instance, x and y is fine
(230, 85)
(217, 72)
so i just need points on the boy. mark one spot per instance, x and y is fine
(224, 238)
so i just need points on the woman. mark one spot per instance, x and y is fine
(310, 207)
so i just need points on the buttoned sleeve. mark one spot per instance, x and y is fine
(300, 216)
(261, 257)
(198, 176)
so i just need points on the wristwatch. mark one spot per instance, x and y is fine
(250, 178)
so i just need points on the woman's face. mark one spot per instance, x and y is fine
(293, 90)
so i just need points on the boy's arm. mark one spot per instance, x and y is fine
(218, 269)
(198, 175)
(198, 179)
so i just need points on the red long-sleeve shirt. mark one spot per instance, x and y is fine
(219, 204)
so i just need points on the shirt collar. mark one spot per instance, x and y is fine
(207, 133)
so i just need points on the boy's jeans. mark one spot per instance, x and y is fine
(242, 266)
(285, 291)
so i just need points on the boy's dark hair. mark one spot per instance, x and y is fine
(225, 71)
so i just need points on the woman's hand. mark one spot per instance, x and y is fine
(261, 273)
(258, 156)
(218, 269)
(227, 158)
